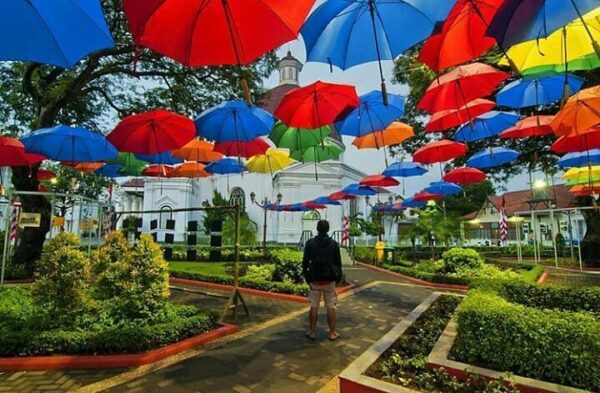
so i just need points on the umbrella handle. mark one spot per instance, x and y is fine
(246, 91)
(384, 94)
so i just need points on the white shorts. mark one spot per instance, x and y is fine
(326, 291)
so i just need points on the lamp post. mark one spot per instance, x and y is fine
(263, 205)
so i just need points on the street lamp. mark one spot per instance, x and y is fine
(263, 205)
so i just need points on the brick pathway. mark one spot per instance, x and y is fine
(572, 277)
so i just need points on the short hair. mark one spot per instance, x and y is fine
(323, 226)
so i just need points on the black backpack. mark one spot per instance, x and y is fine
(322, 267)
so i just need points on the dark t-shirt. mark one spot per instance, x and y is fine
(321, 244)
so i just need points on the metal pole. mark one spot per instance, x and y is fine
(264, 226)
(534, 237)
(6, 234)
(51, 219)
(236, 272)
(579, 246)
(90, 228)
(571, 236)
(553, 237)
(518, 230)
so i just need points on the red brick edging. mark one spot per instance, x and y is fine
(417, 281)
(543, 277)
(60, 362)
(254, 292)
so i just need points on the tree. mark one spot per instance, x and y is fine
(110, 83)
(472, 199)
(248, 228)
(433, 227)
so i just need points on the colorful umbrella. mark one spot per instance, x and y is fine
(190, 170)
(462, 35)
(444, 120)
(410, 202)
(546, 90)
(165, 158)
(131, 166)
(379, 181)
(272, 161)
(108, 170)
(425, 196)
(312, 205)
(371, 115)
(62, 143)
(439, 151)
(492, 157)
(199, 151)
(88, 167)
(326, 201)
(319, 153)
(532, 126)
(572, 160)
(297, 138)
(358, 190)
(395, 134)
(404, 169)
(243, 149)
(464, 84)
(582, 174)
(443, 188)
(152, 132)
(225, 166)
(158, 171)
(585, 190)
(524, 20)
(464, 176)
(316, 105)
(45, 174)
(577, 143)
(347, 33)
(485, 126)
(58, 33)
(12, 153)
(234, 121)
(580, 113)
(341, 196)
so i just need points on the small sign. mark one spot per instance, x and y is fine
(30, 220)
(58, 221)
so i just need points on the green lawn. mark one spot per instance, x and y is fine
(207, 268)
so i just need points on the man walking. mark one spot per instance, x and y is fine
(322, 267)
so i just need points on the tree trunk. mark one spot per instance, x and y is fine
(31, 240)
(590, 245)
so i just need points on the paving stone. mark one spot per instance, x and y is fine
(241, 389)
(297, 377)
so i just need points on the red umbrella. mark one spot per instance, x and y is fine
(462, 36)
(12, 153)
(577, 143)
(316, 105)
(464, 176)
(152, 132)
(44, 174)
(439, 151)
(314, 206)
(158, 171)
(341, 196)
(424, 196)
(460, 86)
(530, 126)
(444, 120)
(243, 149)
(379, 181)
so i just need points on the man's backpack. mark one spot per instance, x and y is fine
(322, 267)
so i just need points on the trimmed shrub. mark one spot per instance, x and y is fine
(555, 346)
(458, 258)
(288, 266)
(427, 276)
(260, 272)
(109, 265)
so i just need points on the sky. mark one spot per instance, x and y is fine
(366, 78)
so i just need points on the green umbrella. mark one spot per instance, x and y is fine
(328, 150)
(583, 181)
(131, 165)
(584, 63)
(297, 138)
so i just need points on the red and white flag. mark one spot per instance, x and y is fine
(503, 223)
(14, 222)
(346, 230)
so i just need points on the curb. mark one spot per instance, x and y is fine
(543, 277)
(417, 281)
(38, 363)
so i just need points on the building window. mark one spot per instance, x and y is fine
(311, 215)
(166, 213)
(237, 197)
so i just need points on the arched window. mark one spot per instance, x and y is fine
(311, 215)
(237, 197)
(166, 213)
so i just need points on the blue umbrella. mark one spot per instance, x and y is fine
(575, 160)
(525, 20)
(234, 121)
(326, 201)
(404, 169)
(371, 115)
(297, 207)
(226, 166)
(52, 32)
(357, 189)
(485, 126)
(110, 170)
(165, 158)
(493, 157)
(410, 202)
(444, 188)
(526, 92)
(346, 33)
(72, 144)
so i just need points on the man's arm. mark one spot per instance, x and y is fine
(305, 260)
(338, 257)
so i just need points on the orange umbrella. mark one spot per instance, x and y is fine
(191, 170)
(580, 113)
(395, 134)
(584, 141)
(585, 189)
(88, 167)
(198, 150)
(158, 171)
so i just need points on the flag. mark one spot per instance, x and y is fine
(14, 222)
(346, 230)
(503, 223)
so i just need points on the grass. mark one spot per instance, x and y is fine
(207, 268)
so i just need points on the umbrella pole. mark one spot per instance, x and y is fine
(383, 87)
(566, 87)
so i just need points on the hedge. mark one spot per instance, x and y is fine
(427, 276)
(555, 346)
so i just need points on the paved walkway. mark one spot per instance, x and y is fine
(572, 277)
(270, 354)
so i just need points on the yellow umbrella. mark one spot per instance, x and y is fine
(273, 160)
(582, 174)
(574, 47)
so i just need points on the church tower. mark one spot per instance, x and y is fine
(289, 70)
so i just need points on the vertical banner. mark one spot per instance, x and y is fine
(14, 222)
(346, 231)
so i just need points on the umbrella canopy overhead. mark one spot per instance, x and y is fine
(439, 151)
(411, 203)
(443, 188)
(532, 126)
(358, 190)
(131, 166)
(45, 174)
(314, 205)
(325, 200)
(13, 154)
(152, 132)
(190, 170)
(319, 153)
(62, 143)
(214, 32)
(464, 84)
(485, 126)
(316, 105)
(272, 161)
(297, 138)
(577, 143)
(572, 160)
(371, 115)
(109, 170)
(199, 151)
(243, 149)
(379, 181)
(524, 20)
(462, 36)
(58, 33)
(341, 196)
(446, 119)
(586, 190)
(234, 121)
(165, 158)
(226, 166)
(580, 113)
(493, 157)
(582, 174)
(88, 167)
(546, 90)
(464, 176)
(404, 169)
(158, 171)
(395, 134)
(425, 196)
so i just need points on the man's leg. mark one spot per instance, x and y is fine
(330, 303)
(313, 315)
